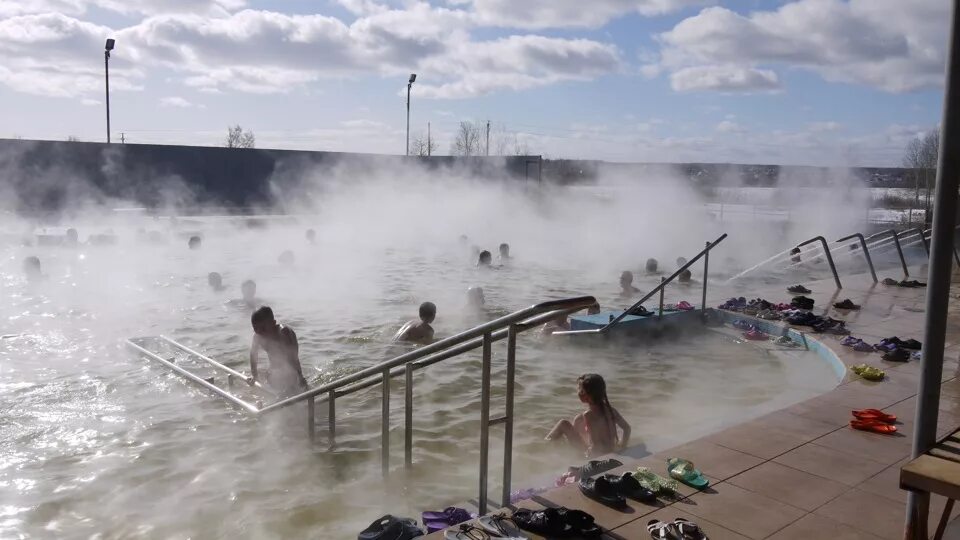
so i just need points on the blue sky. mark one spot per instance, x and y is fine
(824, 82)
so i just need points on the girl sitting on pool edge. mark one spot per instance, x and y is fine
(593, 431)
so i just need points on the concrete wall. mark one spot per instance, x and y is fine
(46, 176)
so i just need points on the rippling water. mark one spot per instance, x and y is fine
(97, 443)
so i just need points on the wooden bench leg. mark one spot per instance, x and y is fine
(916, 528)
(944, 519)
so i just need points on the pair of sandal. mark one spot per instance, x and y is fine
(869, 373)
(874, 420)
(614, 490)
(679, 529)
(556, 523)
(492, 526)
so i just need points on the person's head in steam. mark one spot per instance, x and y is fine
(215, 280)
(194, 242)
(72, 237)
(651, 266)
(504, 251)
(311, 236)
(286, 258)
(475, 297)
(249, 290)
(685, 276)
(428, 312)
(681, 261)
(485, 259)
(626, 283)
(31, 269)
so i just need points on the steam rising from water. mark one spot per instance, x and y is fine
(99, 441)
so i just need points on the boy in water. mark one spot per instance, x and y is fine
(626, 284)
(419, 331)
(504, 253)
(249, 290)
(283, 352)
(215, 280)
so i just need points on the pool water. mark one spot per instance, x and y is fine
(95, 442)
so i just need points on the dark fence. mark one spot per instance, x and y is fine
(42, 177)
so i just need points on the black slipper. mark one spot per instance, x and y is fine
(601, 490)
(846, 304)
(897, 355)
(595, 466)
(547, 522)
(630, 487)
(799, 289)
(911, 344)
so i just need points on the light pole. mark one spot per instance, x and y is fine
(413, 77)
(106, 73)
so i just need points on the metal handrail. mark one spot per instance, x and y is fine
(496, 324)
(866, 252)
(215, 364)
(896, 242)
(826, 251)
(923, 237)
(657, 289)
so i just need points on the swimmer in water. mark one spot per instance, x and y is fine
(194, 242)
(419, 331)
(504, 252)
(651, 266)
(626, 284)
(249, 290)
(286, 258)
(311, 236)
(31, 269)
(685, 276)
(594, 431)
(485, 260)
(284, 375)
(475, 299)
(557, 324)
(215, 280)
(593, 308)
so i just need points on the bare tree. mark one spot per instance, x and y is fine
(238, 138)
(468, 140)
(423, 146)
(921, 157)
(73, 138)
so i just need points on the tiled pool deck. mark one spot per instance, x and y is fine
(802, 472)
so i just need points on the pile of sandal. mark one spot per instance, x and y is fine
(802, 302)
(448, 517)
(678, 529)
(912, 284)
(869, 373)
(820, 325)
(895, 349)
(874, 421)
(857, 344)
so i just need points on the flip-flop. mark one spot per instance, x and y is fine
(741, 324)
(875, 414)
(662, 531)
(911, 344)
(548, 522)
(684, 471)
(890, 281)
(683, 305)
(629, 487)
(863, 346)
(799, 289)
(502, 526)
(595, 466)
(873, 426)
(755, 335)
(654, 482)
(467, 532)
(786, 342)
(846, 304)
(450, 516)
(689, 530)
(869, 373)
(601, 490)
(897, 355)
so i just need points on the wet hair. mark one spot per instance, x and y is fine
(485, 258)
(685, 276)
(214, 279)
(428, 310)
(262, 314)
(626, 275)
(504, 248)
(595, 388)
(194, 242)
(248, 284)
(651, 265)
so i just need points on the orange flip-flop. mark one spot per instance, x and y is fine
(874, 426)
(875, 414)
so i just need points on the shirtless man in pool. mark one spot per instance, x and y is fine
(419, 331)
(283, 352)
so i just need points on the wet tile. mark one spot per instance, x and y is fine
(712, 459)
(867, 512)
(787, 485)
(799, 426)
(758, 439)
(850, 469)
(824, 410)
(886, 449)
(886, 484)
(813, 526)
(638, 528)
(742, 511)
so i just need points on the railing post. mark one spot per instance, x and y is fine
(833, 267)
(866, 252)
(903, 261)
(660, 313)
(408, 418)
(385, 423)
(484, 422)
(311, 419)
(332, 417)
(706, 268)
(508, 424)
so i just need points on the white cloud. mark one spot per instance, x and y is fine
(892, 45)
(569, 13)
(176, 101)
(90, 102)
(78, 7)
(729, 126)
(725, 78)
(824, 126)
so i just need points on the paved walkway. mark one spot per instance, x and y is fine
(802, 472)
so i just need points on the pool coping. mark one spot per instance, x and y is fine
(801, 472)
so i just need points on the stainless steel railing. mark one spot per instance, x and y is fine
(482, 336)
(704, 253)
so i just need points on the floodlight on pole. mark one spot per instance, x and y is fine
(106, 74)
(413, 77)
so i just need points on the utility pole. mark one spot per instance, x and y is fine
(488, 137)
(123, 138)
(428, 140)
(413, 78)
(106, 75)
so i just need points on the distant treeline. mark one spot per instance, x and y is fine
(568, 171)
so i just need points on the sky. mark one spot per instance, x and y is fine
(814, 82)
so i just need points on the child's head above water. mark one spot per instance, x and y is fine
(626, 279)
(262, 320)
(486, 258)
(592, 390)
(651, 265)
(504, 250)
(194, 242)
(428, 312)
